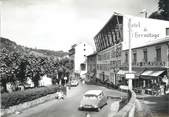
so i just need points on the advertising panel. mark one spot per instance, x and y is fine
(142, 31)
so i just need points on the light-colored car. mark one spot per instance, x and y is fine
(93, 99)
(74, 83)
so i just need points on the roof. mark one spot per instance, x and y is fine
(166, 39)
(155, 42)
(93, 54)
(93, 92)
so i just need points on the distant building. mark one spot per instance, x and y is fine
(112, 43)
(91, 65)
(45, 81)
(79, 53)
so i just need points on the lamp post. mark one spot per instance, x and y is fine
(130, 58)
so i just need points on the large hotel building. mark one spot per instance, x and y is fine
(150, 50)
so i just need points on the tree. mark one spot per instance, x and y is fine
(163, 11)
(164, 7)
(22, 71)
(8, 67)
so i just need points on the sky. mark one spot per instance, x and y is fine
(58, 24)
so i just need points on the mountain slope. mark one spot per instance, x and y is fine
(12, 46)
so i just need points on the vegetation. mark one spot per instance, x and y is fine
(14, 98)
(19, 64)
(163, 11)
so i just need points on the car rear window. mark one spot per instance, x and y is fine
(90, 96)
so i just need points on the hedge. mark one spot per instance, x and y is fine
(15, 98)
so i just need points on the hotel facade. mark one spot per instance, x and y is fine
(150, 50)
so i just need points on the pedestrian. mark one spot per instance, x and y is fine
(165, 88)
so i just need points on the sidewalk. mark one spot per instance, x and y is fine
(142, 110)
(157, 106)
(141, 96)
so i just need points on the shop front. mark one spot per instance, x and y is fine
(121, 80)
(152, 81)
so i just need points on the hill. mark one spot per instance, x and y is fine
(12, 46)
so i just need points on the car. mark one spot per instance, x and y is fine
(74, 83)
(93, 99)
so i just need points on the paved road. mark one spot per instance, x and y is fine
(69, 106)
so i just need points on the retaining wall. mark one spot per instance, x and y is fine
(129, 109)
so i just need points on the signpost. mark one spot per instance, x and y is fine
(130, 75)
(130, 84)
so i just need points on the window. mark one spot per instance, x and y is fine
(158, 54)
(134, 57)
(126, 54)
(167, 31)
(83, 67)
(145, 55)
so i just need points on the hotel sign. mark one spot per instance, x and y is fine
(143, 31)
(138, 31)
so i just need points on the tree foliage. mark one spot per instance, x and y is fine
(163, 11)
(18, 67)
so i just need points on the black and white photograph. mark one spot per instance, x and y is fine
(84, 58)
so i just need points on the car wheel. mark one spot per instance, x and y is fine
(79, 109)
(98, 109)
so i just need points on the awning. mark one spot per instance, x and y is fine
(135, 71)
(152, 73)
(122, 72)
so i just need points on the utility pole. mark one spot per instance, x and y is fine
(130, 85)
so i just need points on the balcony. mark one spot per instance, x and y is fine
(148, 64)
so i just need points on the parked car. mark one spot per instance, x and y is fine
(74, 83)
(93, 99)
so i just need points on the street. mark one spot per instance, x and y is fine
(69, 106)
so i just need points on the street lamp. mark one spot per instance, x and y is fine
(130, 58)
(130, 85)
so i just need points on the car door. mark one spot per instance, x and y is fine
(99, 100)
(104, 99)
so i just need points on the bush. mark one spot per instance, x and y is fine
(15, 98)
